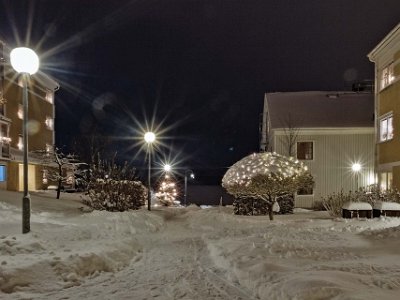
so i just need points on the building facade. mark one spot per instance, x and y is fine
(41, 134)
(329, 132)
(386, 56)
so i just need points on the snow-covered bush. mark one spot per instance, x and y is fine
(286, 204)
(115, 195)
(266, 176)
(114, 188)
(333, 203)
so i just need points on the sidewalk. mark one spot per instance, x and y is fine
(69, 203)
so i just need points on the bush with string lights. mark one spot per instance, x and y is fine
(258, 180)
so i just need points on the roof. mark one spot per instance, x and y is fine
(320, 109)
(46, 81)
(384, 43)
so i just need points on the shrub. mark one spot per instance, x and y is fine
(333, 203)
(114, 188)
(115, 195)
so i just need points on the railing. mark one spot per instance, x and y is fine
(5, 150)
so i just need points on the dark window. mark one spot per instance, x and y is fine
(305, 191)
(305, 150)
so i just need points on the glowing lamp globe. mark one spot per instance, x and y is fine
(149, 137)
(24, 60)
(167, 168)
(356, 167)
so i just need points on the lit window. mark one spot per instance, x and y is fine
(49, 148)
(305, 150)
(2, 173)
(49, 123)
(20, 112)
(45, 176)
(386, 179)
(20, 144)
(386, 128)
(50, 96)
(387, 76)
(20, 81)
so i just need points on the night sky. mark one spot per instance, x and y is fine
(198, 69)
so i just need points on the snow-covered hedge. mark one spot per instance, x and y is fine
(333, 203)
(114, 187)
(115, 195)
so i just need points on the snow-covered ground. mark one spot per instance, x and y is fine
(193, 253)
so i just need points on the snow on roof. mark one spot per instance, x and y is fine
(357, 206)
(381, 205)
(316, 109)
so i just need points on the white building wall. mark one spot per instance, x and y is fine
(334, 154)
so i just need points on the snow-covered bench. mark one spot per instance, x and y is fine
(356, 210)
(387, 209)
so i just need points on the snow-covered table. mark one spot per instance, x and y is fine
(387, 209)
(356, 209)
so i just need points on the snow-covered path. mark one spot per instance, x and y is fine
(190, 253)
(173, 263)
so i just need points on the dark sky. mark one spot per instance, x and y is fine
(198, 68)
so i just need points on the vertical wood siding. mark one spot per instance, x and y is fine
(333, 158)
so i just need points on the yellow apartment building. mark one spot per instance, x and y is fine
(386, 56)
(41, 134)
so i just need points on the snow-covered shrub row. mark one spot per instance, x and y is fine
(115, 195)
(333, 203)
(114, 188)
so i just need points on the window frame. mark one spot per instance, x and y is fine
(49, 122)
(313, 150)
(3, 176)
(386, 118)
(387, 76)
(305, 195)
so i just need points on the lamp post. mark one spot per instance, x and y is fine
(149, 137)
(356, 167)
(26, 62)
(187, 172)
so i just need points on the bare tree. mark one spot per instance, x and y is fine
(291, 134)
(89, 147)
(56, 161)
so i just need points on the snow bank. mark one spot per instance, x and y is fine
(357, 206)
(68, 250)
(382, 205)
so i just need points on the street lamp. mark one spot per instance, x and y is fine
(149, 137)
(26, 62)
(191, 174)
(167, 168)
(356, 167)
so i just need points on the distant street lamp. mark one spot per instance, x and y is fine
(149, 137)
(26, 62)
(191, 174)
(356, 167)
(167, 168)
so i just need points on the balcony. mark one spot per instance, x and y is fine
(4, 149)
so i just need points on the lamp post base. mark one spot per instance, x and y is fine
(26, 214)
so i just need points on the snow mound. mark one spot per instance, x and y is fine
(382, 205)
(357, 206)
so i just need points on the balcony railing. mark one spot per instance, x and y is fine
(5, 150)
